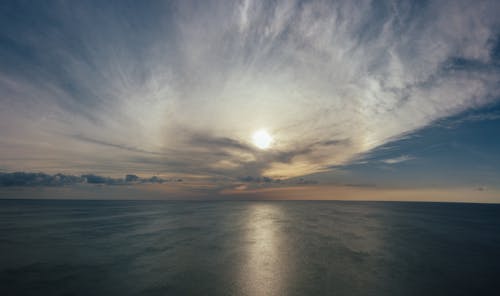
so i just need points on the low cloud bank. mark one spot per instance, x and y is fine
(42, 179)
(250, 179)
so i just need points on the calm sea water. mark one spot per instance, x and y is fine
(248, 248)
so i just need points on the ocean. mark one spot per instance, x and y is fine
(55, 247)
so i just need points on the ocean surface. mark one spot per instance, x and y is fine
(248, 248)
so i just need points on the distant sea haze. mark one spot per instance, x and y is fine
(248, 248)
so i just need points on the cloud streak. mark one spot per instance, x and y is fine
(399, 159)
(179, 87)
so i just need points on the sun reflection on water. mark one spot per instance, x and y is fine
(263, 272)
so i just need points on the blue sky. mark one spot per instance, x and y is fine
(362, 95)
(455, 151)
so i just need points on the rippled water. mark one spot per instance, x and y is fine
(248, 248)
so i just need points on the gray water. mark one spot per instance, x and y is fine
(248, 248)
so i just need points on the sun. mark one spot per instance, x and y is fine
(262, 139)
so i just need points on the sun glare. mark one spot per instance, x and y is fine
(262, 139)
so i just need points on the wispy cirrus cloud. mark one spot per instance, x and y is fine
(180, 86)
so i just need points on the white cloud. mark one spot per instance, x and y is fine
(399, 159)
(309, 72)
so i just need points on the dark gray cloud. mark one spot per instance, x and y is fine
(267, 180)
(219, 143)
(23, 179)
(37, 179)
(114, 145)
(251, 179)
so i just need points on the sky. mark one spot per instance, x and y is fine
(382, 100)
